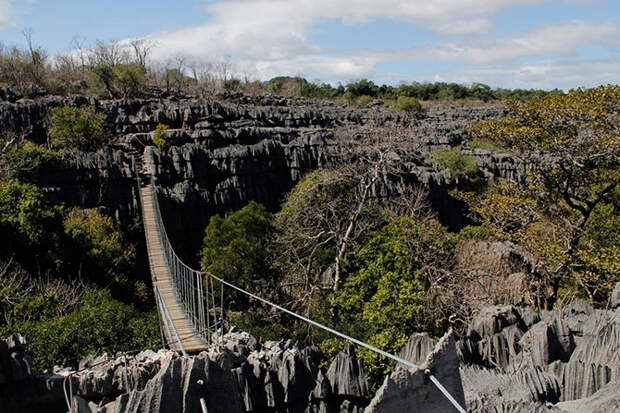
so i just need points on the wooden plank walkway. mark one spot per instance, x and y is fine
(161, 277)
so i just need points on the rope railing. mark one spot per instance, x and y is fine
(194, 290)
(196, 293)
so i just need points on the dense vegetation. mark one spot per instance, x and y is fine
(68, 276)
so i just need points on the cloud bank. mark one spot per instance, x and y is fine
(6, 14)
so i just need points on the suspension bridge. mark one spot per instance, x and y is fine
(190, 307)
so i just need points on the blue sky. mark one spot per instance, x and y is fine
(504, 43)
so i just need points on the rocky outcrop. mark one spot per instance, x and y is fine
(563, 357)
(511, 360)
(407, 387)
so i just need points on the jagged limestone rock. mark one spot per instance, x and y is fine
(417, 348)
(606, 400)
(346, 375)
(615, 297)
(405, 387)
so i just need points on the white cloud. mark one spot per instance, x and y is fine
(265, 38)
(565, 74)
(275, 36)
(448, 16)
(6, 14)
(562, 39)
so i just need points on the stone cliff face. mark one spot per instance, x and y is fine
(222, 153)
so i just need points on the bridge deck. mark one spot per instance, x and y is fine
(161, 276)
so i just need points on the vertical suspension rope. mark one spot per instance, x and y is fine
(222, 309)
(208, 280)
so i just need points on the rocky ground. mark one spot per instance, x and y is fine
(511, 360)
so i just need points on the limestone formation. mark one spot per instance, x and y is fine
(406, 387)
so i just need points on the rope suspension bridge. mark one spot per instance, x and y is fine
(187, 300)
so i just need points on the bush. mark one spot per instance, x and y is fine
(159, 136)
(407, 104)
(27, 161)
(236, 248)
(481, 143)
(99, 324)
(76, 128)
(454, 162)
(363, 101)
(384, 302)
(101, 245)
(130, 79)
(22, 212)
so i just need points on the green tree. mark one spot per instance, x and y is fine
(572, 144)
(76, 128)
(102, 78)
(453, 161)
(236, 248)
(407, 104)
(159, 136)
(26, 161)
(100, 245)
(130, 78)
(23, 212)
(384, 300)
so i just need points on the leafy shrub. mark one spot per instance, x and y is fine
(100, 244)
(363, 101)
(384, 301)
(130, 79)
(454, 162)
(101, 80)
(76, 128)
(26, 161)
(481, 143)
(99, 324)
(236, 248)
(22, 211)
(159, 136)
(407, 104)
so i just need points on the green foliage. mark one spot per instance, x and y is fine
(454, 162)
(363, 101)
(258, 323)
(27, 161)
(362, 87)
(22, 212)
(101, 80)
(99, 243)
(236, 248)
(407, 104)
(159, 136)
(384, 301)
(520, 215)
(572, 145)
(480, 143)
(76, 128)
(99, 324)
(130, 78)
